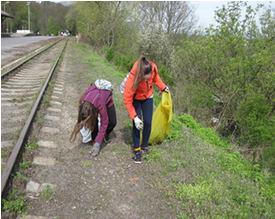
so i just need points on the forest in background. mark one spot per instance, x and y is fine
(223, 76)
(47, 18)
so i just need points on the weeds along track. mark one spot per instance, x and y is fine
(22, 89)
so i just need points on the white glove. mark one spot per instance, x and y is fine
(167, 89)
(86, 135)
(138, 123)
(95, 149)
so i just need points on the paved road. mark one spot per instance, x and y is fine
(8, 43)
(15, 47)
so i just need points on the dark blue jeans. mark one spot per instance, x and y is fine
(144, 109)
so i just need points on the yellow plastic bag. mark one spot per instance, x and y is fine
(162, 118)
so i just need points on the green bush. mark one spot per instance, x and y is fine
(233, 62)
(189, 121)
(166, 75)
(268, 158)
(124, 62)
(253, 118)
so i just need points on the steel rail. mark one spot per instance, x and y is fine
(24, 132)
(7, 69)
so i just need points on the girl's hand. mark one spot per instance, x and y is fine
(138, 123)
(95, 149)
(166, 89)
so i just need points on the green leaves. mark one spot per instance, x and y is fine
(15, 203)
(233, 62)
(253, 116)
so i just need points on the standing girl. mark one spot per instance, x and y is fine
(138, 99)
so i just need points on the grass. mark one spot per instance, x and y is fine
(47, 193)
(207, 134)
(175, 164)
(155, 154)
(86, 163)
(100, 64)
(222, 183)
(205, 178)
(31, 146)
(198, 192)
(5, 152)
(21, 177)
(176, 129)
(15, 203)
(24, 165)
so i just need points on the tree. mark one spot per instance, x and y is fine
(71, 21)
(40, 13)
(229, 71)
(53, 27)
(168, 16)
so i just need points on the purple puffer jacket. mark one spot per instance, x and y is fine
(101, 99)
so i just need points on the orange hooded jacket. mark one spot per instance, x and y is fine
(143, 91)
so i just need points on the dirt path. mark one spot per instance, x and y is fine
(109, 186)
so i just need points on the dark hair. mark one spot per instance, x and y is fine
(144, 68)
(87, 117)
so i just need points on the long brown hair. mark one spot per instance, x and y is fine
(87, 117)
(144, 67)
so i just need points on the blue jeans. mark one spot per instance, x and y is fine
(144, 109)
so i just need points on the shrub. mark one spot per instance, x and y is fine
(253, 119)
(109, 53)
(124, 62)
(166, 75)
(268, 159)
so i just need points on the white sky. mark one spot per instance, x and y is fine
(204, 10)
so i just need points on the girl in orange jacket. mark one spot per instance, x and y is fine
(138, 99)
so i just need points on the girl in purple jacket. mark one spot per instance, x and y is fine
(96, 104)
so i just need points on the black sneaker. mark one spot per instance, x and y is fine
(137, 157)
(144, 150)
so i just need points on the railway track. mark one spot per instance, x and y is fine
(23, 85)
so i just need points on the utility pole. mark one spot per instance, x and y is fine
(5, 5)
(7, 28)
(29, 16)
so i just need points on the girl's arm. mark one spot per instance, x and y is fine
(104, 121)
